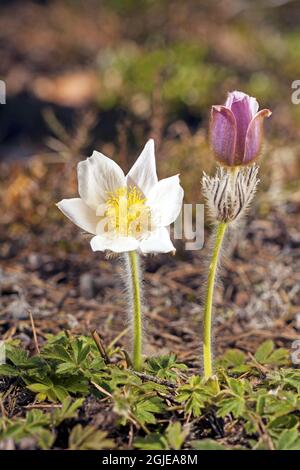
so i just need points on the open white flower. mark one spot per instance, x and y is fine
(125, 213)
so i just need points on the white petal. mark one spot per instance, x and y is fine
(80, 214)
(143, 173)
(158, 242)
(98, 175)
(253, 105)
(165, 200)
(118, 245)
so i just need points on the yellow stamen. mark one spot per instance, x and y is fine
(127, 213)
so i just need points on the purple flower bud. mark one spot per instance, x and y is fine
(236, 129)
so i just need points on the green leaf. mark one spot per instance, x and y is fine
(207, 444)
(281, 404)
(283, 422)
(165, 367)
(279, 357)
(60, 392)
(146, 408)
(7, 370)
(80, 351)
(67, 367)
(287, 378)
(176, 435)
(233, 358)
(16, 355)
(38, 387)
(89, 438)
(237, 386)
(194, 395)
(68, 410)
(56, 352)
(235, 405)
(45, 439)
(152, 441)
(264, 351)
(266, 354)
(289, 439)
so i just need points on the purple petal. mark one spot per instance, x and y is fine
(234, 96)
(254, 136)
(223, 134)
(242, 110)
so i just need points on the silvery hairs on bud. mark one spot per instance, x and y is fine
(229, 193)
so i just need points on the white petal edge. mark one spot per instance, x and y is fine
(165, 200)
(253, 105)
(117, 245)
(97, 176)
(240, 95)
(143, 173)
(79, 213)
(158, 242)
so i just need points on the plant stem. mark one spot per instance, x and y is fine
(137, 312)
(207, 319)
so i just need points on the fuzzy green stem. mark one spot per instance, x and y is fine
(207, 319)
(137, 311)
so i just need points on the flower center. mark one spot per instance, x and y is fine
(126, 212)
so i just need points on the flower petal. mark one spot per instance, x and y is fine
(165, 200)
(80, 214)
(98, 175)
(158, 242)
(118, 245)
(143, 173)
(242, 109)
(234, 96)
(223, 134)
(254, 136)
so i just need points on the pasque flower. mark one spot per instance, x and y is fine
(125, 213)
(236, 134)
(236, 129)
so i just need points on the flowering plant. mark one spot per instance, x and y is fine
(236, 135)
(126, 214)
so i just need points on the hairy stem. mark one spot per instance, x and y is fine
(207, 319)
(137, 311)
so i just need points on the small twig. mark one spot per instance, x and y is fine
(154, 379)
(100, 346)
(101, 389)
(188, 418)
(130, 440)
(262, 430)
(118, 337)
(264, 370)
(167, 396)
(137, 422)
(34, 332)
(3, 412)
(41, 406)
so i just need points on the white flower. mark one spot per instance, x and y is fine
(125, 213)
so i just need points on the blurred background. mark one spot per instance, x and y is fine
(106, 75)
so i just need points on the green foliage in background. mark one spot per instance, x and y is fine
(130, 76)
